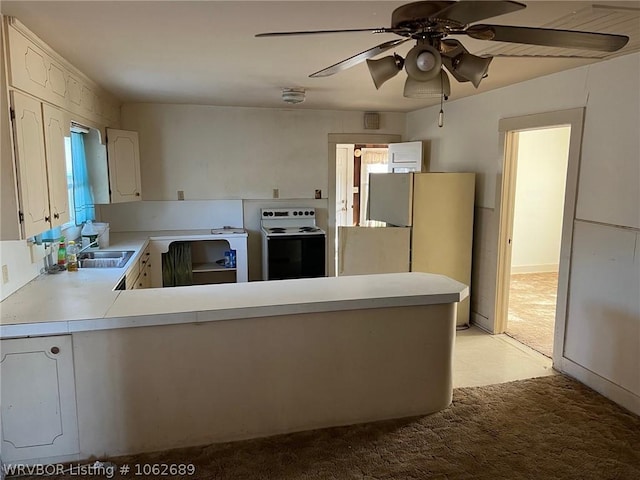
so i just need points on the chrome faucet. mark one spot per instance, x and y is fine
(92, 244)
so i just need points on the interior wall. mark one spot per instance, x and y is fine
(540, 185)
(238, 153)
(241, 153)
(608, 197)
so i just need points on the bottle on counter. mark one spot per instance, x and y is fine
(72, 257)
(62, 253)
(89, 234)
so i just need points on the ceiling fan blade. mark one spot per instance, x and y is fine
(465, 12)
(549, 37)
(360, 57)
(316, 32)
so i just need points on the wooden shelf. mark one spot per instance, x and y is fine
(210, 267)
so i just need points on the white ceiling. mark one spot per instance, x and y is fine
(204, 52)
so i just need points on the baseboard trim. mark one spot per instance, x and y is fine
(482, 322)
(544, 268)
(613, 392)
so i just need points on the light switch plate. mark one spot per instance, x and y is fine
(5, 274)
(276, 193)
(180, 194)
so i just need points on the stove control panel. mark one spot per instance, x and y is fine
(288, 212)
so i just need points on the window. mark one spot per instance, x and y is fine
(81, 203)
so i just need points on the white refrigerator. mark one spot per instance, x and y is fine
(429, 228)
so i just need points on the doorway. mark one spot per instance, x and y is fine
(354, 163)
(339, 183)
(537, 210)
(540, 171)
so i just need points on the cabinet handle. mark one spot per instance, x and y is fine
(56, 215)
(47, 219)
(55, 350)
(137, 194)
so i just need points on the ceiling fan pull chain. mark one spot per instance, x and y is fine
(441, 113)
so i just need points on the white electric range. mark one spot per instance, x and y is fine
(292, 244)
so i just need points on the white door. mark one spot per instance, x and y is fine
(56, 128)
(124, 165)
(406, 157)
(33, 188)
(344, 185)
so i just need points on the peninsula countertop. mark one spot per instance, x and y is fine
(85, 300)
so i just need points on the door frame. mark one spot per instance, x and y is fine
(509, 127)
(334, 140)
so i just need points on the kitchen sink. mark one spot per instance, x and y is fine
(108, 259)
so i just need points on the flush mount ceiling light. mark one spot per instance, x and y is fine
(293, 95)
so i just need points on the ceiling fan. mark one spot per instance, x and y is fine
(429, 23)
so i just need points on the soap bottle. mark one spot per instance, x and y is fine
(62, 254)
(72, 257)
(89, 234)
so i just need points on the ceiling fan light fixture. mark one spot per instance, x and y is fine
(423, 62)
(471, 67)
(293, 95)
(384, 68)
(435, 87)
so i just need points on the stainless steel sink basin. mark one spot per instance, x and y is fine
(108, 259)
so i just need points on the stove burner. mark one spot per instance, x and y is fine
(309, 229)
(277, 230)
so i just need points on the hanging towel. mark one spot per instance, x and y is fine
(176, 265)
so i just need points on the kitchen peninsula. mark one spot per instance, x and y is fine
(152, 369)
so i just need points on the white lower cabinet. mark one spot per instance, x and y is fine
(38, 398)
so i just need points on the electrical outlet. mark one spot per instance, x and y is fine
(276, 193)
(318, 194)
(5, 274)
(180, 194)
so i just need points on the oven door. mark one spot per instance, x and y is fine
(295, 256)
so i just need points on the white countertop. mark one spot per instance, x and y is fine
(85, 300)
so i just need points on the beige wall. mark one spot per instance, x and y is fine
(233, 152)
(608, 203)
(537, 224)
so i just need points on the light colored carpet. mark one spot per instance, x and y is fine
(532, 310)
(545, 428)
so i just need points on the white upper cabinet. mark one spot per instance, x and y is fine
(123, 154)
(40, 164)
(56, 128)
(38, 70)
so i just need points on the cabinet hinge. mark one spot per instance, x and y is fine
(12, 114)
(21, 217)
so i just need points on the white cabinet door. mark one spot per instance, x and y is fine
(38, 398)
(405, 157)
(33, 188)
(123, 154)
(56, 128)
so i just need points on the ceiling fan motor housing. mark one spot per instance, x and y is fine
(417, 15)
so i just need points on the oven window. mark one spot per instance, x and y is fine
(296, 257)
